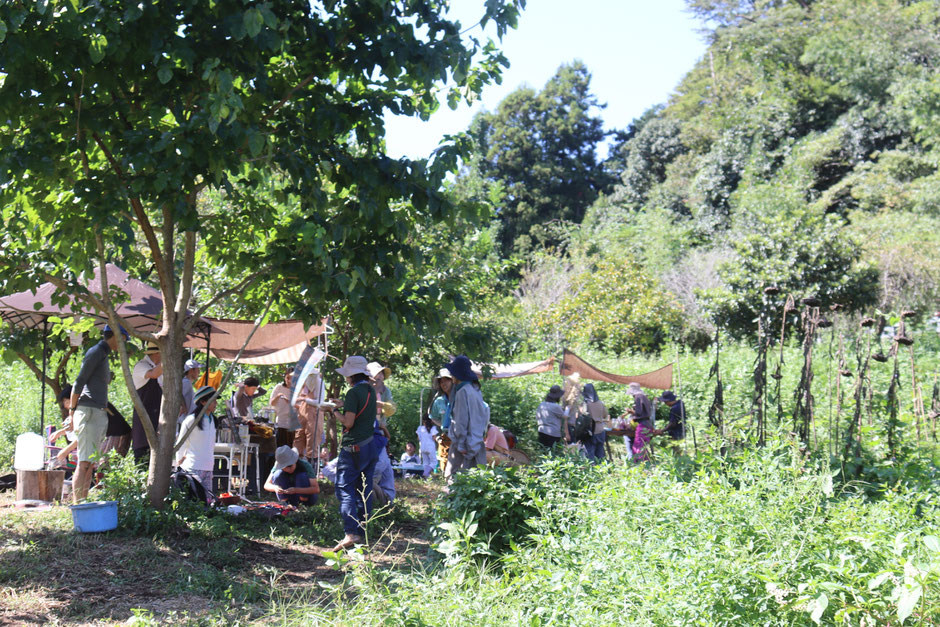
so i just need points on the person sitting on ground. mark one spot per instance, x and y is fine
(552, 423)
(327, 465)
(293, 478)
(675, 429)
(497, 448)
(410, 456)
(197, 438)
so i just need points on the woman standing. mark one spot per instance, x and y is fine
(439, 414)
(551, 419)
(642, 412)
(286, 422)
(594, 448)
(355, 465)
(198, 442)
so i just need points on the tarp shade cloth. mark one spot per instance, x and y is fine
(142, 308)
(508, 371)
(657, 380)
(274, 343)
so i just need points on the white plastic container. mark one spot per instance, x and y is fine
(29, 452)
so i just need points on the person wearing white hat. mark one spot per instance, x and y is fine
(384, 475)
(196, 439)
(439, 413)
(359, 451)
(292, 479)
(190, 374)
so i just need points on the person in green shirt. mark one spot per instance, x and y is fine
(355, 465)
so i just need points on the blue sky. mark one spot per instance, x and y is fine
(637, 52)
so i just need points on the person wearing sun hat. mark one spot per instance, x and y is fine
(642, 412)
(196, 441)
(439, 414)
(148, 380)
(355, 467)
(384, 475)
(469, 419)
(293, 478)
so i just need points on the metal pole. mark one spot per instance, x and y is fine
(42, 405)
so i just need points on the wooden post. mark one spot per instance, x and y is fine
(39, 485)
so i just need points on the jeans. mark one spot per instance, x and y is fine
(354, 475)
(297, 479)
(593, 449)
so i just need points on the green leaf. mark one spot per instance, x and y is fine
(819, 607)
(164, 74)
(908, 601)
(3, 30)
(932, 543)
(97, 47)
(253, 21)
(255, 143)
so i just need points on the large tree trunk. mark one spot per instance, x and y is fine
(161, 457)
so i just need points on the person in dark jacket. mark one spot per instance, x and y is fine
(675, 428)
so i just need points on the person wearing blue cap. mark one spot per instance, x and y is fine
(469, 418)
(88, 409)
(675, 428)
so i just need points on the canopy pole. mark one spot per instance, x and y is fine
(208, 345)
(42, 403)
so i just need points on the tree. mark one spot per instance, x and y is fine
(117, 120)
(538, 151)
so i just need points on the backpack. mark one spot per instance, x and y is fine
(189, 486)
(583, 429)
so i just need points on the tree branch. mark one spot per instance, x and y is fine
(223, 294)
(231, 370)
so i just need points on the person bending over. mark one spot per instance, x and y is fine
(293, 479)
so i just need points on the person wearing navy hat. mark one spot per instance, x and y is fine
(469, 419)
(196, 439)
(88, 409)
(675, 429)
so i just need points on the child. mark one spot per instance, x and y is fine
(410, 456)
(427, 438)
(292, 479)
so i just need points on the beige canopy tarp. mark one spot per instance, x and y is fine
(658, 379)
(272, 344)
(508, 371)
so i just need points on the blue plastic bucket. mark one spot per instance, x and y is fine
(95, 517)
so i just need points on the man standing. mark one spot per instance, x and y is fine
(190, 374)
(248, 390)
(148, 379)
(88, 408)
(469, 417)
(675, 429)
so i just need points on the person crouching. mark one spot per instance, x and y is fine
(293, 479)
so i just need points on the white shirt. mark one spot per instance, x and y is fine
(198, 448)
(426, 440)
(141, 368)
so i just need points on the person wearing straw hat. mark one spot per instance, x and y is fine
(293, 479)
(384, 475)
(190, 375)
(358, 453)
(148, 380)
(469, 418)
(439, 413)
(197, 437)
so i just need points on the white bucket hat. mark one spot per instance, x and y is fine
(375, 368)
(354, 364)
(634, 388)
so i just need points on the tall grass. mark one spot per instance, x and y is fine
(765, 538)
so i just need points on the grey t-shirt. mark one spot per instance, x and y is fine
(92, 381)
(550, 417)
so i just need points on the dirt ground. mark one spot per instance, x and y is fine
(50, 574)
